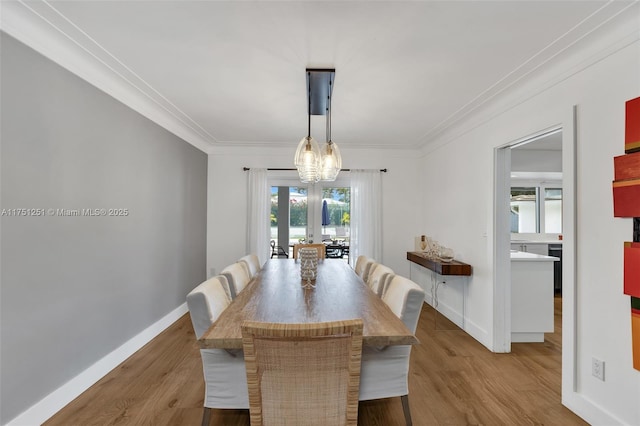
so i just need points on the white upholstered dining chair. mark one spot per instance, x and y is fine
(237, 276)
(225, 384)
(252, 264)
(379, 278)
(364, 266)
(361, 261)
(385, 371)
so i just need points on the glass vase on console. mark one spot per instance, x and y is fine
(445, 254)
(434, 249)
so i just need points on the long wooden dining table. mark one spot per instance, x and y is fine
(276, 294)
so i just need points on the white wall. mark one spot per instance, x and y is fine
(227, 193)
(463, 213)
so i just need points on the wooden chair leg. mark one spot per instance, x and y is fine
(206, 416)
(405, 408)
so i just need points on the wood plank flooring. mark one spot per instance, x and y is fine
(454, 381)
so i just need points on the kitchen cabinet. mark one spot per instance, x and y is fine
(531, 296)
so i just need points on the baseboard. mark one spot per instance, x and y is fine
(478, 333)
(589, 411)
(56, 400)
(450, 313)
(470, 327)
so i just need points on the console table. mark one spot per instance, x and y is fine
(456, 272)
(439, 267)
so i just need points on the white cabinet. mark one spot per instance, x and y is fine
(531, 297)
(529, 247)
(537, 248)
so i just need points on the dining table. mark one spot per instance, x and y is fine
(278, 294)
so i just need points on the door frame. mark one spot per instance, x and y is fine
(502, 263)
(502, 235)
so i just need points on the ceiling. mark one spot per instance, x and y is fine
(551, 141)
(233, 72)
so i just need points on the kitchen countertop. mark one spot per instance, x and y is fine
(521, 256)
(536, 241)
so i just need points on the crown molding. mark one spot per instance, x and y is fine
(618, 31)
(293, 143)
(40, 26)
(612, 28)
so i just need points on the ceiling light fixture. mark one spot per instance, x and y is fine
(312, 163)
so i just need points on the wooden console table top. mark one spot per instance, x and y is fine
(439, 267)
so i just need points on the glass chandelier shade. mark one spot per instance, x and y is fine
(308, 160)
(312, 163)
(331, 162)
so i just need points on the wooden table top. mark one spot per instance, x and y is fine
(275, 294)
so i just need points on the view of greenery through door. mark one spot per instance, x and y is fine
(296, 216)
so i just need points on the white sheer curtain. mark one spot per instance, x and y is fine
(258, 209)
(366, 215)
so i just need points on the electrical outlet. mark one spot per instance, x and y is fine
(212, 272)
(597, 368)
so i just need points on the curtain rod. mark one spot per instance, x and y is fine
(246, 169)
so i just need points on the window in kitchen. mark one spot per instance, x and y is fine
(536, 209)
(553, 210)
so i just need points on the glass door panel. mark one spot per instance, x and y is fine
(289, 218)
(335, 220)
(298, 211)
(310, 214)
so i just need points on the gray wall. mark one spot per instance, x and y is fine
(74, 289)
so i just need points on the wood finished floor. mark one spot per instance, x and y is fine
(454, 381)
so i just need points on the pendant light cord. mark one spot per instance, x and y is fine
(329, 112)
(309, 110)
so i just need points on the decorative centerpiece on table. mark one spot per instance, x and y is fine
(308, 266)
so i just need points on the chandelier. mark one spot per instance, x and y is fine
(315, 164)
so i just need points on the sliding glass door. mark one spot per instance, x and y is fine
(314, 213)
(289, 216)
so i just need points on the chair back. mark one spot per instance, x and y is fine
(320, 247)
(364, 266)
(369, 267)
(405, 299)
(377, 279)
(252, 264)
(278, 250)
(361, 261)
(303, 373)
(237, 276)
(206, 302)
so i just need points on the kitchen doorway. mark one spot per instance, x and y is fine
(532, 188)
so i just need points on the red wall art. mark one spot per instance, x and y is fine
(626, 203)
